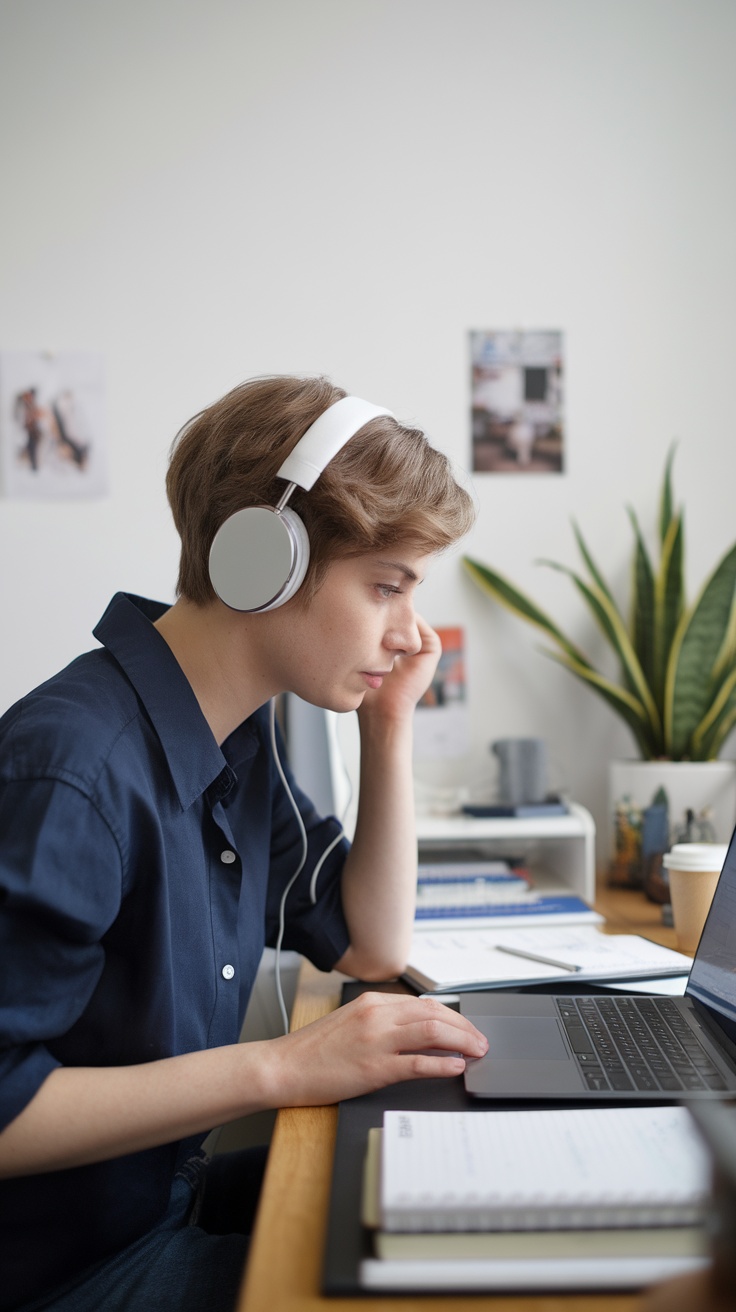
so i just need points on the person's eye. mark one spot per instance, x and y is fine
(388, 590)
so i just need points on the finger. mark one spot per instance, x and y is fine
(442, 1012)
(430, 638)
(429, 1066)
(418, 1036)
(421, 1009)
(425, 627)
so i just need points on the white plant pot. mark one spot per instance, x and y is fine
(697, 786)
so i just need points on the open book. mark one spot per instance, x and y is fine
(598, 1198)
(449, 960)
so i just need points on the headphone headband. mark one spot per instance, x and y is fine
(259, 556)
(325, 437)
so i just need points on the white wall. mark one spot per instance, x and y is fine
(209, 191)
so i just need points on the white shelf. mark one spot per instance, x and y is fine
(559, 846)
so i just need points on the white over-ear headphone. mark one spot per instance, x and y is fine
(259, 556)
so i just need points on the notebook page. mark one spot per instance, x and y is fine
(462, 957)
(531, 1169)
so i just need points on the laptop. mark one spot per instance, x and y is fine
(619, 1047)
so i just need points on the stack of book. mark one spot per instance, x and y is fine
(598, 1198)
(491, 892)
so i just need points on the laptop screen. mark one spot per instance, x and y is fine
(713, 976)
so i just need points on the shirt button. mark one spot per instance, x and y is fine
(228, 972)
(227, 857)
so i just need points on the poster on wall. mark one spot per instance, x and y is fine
(52, 425)
(516, 390)
(441, 716)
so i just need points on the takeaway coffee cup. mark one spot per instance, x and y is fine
(693, 870)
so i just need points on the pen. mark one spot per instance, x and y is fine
(533, 956)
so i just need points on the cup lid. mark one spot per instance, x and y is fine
(695, 856)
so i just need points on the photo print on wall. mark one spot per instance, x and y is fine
(52, 425)
(517, 392)
(441, 721)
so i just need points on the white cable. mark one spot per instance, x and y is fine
(333, 728)
(297, 872)
(301, 866)
(319, 865)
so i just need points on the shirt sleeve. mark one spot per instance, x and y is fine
(60, 890)
(318, 930)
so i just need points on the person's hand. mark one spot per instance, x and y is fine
(379, 1039)
(408, 681)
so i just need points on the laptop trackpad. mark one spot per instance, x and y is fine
(530, 1038)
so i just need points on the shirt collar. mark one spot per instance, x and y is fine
(127, 632)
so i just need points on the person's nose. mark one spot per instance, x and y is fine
(404, 639)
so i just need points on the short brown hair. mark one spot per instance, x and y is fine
(386, 485)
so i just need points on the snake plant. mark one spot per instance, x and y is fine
(677, 689)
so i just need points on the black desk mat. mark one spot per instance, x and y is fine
(347, 1240)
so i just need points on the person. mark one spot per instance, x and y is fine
(64, 410)
(29, 414)
(152, 840)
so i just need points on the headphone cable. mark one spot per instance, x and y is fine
(299, 868)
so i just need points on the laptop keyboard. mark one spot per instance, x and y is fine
(636, 1043)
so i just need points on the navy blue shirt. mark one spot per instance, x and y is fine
(141, 871)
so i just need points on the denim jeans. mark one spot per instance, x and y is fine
(192, 1261)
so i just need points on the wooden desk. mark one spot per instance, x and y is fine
(285, 1264)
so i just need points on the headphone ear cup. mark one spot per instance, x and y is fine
(300, 558)
(258, 558)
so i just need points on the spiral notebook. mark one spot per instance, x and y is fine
(596, 1198)
(542, 1170)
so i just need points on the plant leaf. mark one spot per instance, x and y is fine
(726, 658)
(642, 607)
(720, 710)
(666, 499)
(503, 591)
(609, 619)
(624, 703)
(696, 647)
(593, 570)
(669, 601)
(721, 733)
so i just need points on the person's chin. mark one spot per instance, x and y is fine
(348, 702)
(340, 702)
